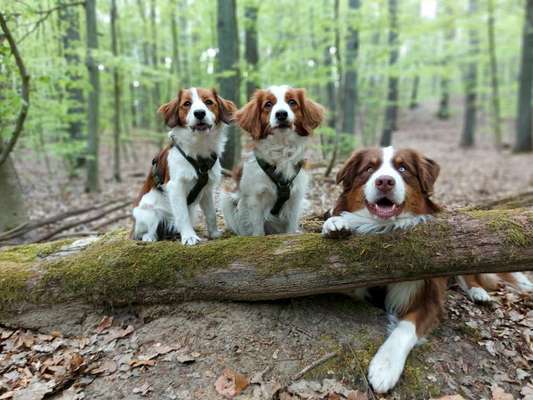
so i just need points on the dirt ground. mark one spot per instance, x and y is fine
(179, 352)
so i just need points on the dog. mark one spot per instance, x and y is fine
(384, 190)
(186, 172)
(272, 182)
(476, 286)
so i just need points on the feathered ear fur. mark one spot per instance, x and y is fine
(226, 108)
(169, 111)
(312, 114)
(248, 117)
(428, 172)
(349, 170)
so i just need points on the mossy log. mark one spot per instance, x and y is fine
(117, 271)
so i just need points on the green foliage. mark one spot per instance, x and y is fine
(294, 38)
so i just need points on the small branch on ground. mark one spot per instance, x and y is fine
(315, 364)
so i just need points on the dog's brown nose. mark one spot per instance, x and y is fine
(385, 183)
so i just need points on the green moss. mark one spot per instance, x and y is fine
(27, 253)
(13, 281)
(351, 365)
(507, 223)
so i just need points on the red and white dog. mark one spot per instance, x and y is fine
(383, 190)
(186, 172)
(273, 183)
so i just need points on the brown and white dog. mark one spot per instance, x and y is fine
(384, 190)
(477, 286)
(186, 172)
(280, 121)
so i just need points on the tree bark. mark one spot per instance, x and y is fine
(92, 184)
(496, 118)
(176, 64)
(228, 70)
(116, 95)
(117, 271)
(350, 71)
(471, 83)
(524, 139)
(391, 111)
(251, 47)
(11, 201)
(444, 102)
(414, 93)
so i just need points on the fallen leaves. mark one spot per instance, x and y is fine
(329, 389)
(231, 383)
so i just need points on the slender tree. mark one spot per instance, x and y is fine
(251, 50)
(176, 65)
(146, 112)
(413, 103)
(444, 101)
(350, 71)
(471, 83)
(11, 201)
(524, 140)
(92, 184)
(116, 94)
(155, 58)
(391, 111)
(228, 71)
(496, 119)
(71, 40)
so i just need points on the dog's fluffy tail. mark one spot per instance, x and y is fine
(229, 210)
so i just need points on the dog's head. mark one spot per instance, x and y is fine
(388, 182)
(197, 109)
(279, 109)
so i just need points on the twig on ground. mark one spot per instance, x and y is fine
(362, 372)
(111, 221)
(315, 364)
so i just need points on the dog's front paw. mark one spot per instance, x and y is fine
(479, 295)
(385, 370)
(149, 238)
(335, 227)
(190, 239)
(215, 234)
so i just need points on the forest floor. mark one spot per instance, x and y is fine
(179, 352)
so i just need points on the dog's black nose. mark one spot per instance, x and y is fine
(199, 114)
(281, 115)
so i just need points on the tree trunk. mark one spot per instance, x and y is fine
(496, 119)
(414, 93)
(117, 271)
(251, 50)
(143, 89)
(391, 111)
(71, 41)
(176, 65)
(116, 95)
(92, 184)
(155, 64)
(471, 78)
(524, 140)
(11, 201)
(228, 66)
(350, 72)
(444, 102)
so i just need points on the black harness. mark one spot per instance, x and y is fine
(202, 166)
(283, 186)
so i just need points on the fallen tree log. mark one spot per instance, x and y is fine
(117, 271)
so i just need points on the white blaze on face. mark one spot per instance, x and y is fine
(397, 194)
(281, 105)
(198, 106)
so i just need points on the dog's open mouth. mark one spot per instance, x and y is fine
(384, 208)
(201, 126)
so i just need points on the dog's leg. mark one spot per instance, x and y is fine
(182, 220)
(146, 222)
(517, 279)
(473, 288)
(421, 316)
(207, 204)
(253, 223)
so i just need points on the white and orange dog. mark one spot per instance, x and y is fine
(272, 183)
(186, 172)
(385, 190)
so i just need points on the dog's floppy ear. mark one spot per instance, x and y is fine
(312, 113)
(226, 108)
(350, 169)
(169, 111)
(428, 172)
(248, 117)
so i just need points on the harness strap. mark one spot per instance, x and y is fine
(202, 166)
(283, 186)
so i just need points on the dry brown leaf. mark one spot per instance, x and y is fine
(357, 395)
(143, 390)
(104, 324)
(231, 383)
(141, 363)
(7, 395)
(451, 397)
(119, 333)
(185, 359)
(499, 394)
(107, 367)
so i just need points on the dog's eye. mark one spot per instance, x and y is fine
(402, 168)
(370, 169)
(292, 103)
(268, 105)
(187, 104)
(208, 102)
